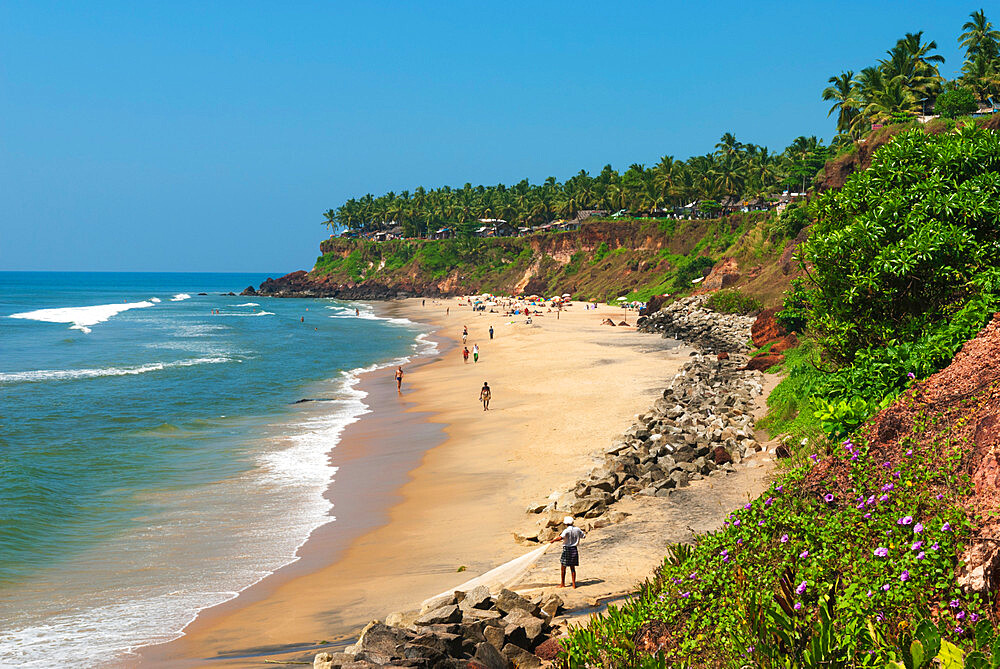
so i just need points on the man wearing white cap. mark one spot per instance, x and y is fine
(570, 555)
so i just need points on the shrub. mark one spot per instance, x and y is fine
(688, 272)
(731, 301)
(795, 308)
(956, 102)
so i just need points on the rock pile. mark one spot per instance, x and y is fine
(471, 630)
(700, 427)
(688, 320)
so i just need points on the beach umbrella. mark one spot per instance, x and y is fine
(622, 299)
(565, 295)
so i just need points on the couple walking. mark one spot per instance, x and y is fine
(475, 353)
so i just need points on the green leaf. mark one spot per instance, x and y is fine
(950, 656)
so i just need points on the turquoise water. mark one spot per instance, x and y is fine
(153, 458)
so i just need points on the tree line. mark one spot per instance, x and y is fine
(733, 169)
(907, 83)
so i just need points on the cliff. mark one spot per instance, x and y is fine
(601, 261)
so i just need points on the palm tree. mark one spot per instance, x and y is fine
(841, 91)
(979, 38)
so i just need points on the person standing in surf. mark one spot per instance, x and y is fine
(570, 553)
(399, 379)
(484, 396)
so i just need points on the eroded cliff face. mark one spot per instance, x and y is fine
(600, 261)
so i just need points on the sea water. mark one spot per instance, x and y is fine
(155, 458)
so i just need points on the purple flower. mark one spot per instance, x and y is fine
(917, 545)
(860, 505)
(918, 528)
(804, 554)
(935, 546)
(960, 615)
(867, 516)
(954, 603)
(736, 523)
(909, 451)
(881, 551)
(801, 588)
(747, 506)
(780, 488)
(870, 500)
(886, 587)
(973, 617)
(769, 501)
(920, 555)
(946, 527)
(760, 523)
(959, 631)
(887, 487)
(878, 616)
(905, 576)
(905, 520)
(798, 606)
(739, 542)
(870, 594)
(886, 464)
(693, 575)
(939, 496)
(685, 595)
(911, 375)
(784, 538)
(828, 497)
(883, 498)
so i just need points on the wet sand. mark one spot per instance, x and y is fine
(429, 482)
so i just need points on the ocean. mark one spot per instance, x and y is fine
(155, 458)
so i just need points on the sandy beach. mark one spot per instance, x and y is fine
(430, 483)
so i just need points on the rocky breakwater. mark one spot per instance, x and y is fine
(305, 284)
(702, 426)
(688, 320)
(467, 630)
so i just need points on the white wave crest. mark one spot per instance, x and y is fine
(155, 299)
(248, 304)
(81, 317)
(65, 374)
(180, 296)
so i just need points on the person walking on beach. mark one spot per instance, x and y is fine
(423, 303)
(447, 311)
(465, 354)
(484, 396)
(399, 379)
(491, 332)
(570, 553)
(475, 353)
(465, 333)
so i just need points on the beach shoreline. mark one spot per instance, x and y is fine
(577, 383)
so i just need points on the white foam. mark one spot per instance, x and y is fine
(66, 374)
(248, 304)
(81, 317)
(256, 313)
(155, 299)
(180, 296)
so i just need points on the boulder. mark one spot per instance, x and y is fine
(766, 328)
(552, 604)
(449, 613)
(477, 598)
(331, 660)
(549, 649)
(488, 656)
(720, 455)
(380, 643)
(521, 658)
(494, 636)
(523, 629)
(509, 601)
(764, 361)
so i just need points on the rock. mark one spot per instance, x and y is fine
(477, 598)
(449, 613)
(722, 356)
(523, 629)
(764, 362)
(552, 604)
(489, 657)
(766, 329)
(680, 478)
(494, 636)
(509, 601)
(380, 643)
(331, 660)
(521, 658)
(721, 456)
(249, 291)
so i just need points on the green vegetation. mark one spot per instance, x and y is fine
(906, 83)
(818, 571)
(732, 301)
(956, 102)
(734, 170)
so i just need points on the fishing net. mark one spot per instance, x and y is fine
(495, 579)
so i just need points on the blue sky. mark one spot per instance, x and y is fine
(210, 136)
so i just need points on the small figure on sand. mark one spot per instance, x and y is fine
(484, 396)
(399, 379)
(465, 354)
(475, 353)
(491, 332)
(465, 333)
(447, 311)
(570, 554)
(423, 303)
